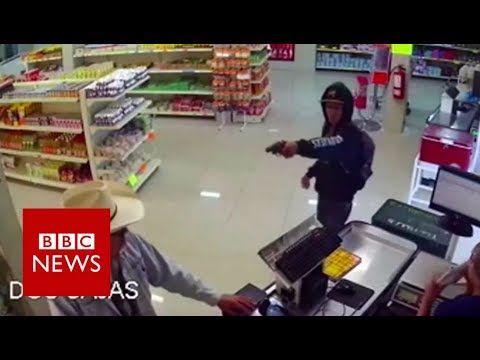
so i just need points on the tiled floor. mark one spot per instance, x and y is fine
(261, 198)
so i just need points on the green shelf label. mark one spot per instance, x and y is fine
(133, 180)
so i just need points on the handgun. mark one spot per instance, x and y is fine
(276, 149)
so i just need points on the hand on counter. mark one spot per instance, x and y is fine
(235, 305)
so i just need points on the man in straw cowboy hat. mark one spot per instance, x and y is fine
(464, 305)
(135, 260)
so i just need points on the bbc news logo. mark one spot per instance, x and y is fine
(66, 252)
(60, 263)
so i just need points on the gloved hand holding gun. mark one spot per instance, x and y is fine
(277, 148)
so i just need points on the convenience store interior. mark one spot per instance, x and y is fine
(218, 197)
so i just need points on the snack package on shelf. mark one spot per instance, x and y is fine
(117, 111)
(117, 144)
(9, 161)
(188, 63)
(116, 83)
(259, 72)
(50, 52)
(58, 171)
(179, 84)
(48, 143)
(62, 90)
(121, 170)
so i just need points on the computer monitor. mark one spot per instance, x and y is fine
(457, 195)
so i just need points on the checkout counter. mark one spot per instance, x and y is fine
(398, 254)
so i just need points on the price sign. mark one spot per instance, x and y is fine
(151, 136)
(133, 180)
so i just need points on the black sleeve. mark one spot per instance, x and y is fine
(324, 148)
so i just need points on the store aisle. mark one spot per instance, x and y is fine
(260, 195)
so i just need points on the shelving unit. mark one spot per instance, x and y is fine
(119, 167)
(344, 57)
(241, 83)
(27, 159)
(442, 61)
(168, 64)
(83, 108)
(43, 58)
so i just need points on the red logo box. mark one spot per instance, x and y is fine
(66, 252)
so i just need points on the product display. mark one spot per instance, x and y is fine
(121, 171)
(347, 57)
(120, 143)
(259, 73)
(232, 78)
(49, 143)
(53, 52)
(63, 90)
(120, 49)
(30, 115)
(258, 58)
(117, 111)
(443, 61)
(180, 85)
(184, 104)
(189, 63)
(116, 83)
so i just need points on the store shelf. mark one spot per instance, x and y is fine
(260, 96)
(39, 100)
(19, 84)
(38, 181)
(53, 129)
(140, 51)
(260, 63)
(44, 59)
(252, 119)
(139, 110)
(179, 113)
(180, 71)
(333, 68)
(456, 62)
(446, 46)
(441, 77)
(151, 167)
(345, 51)
(263, 78)
(257, 48)
(100, 159)
(38, 155)
(172, 92)
(119, 96)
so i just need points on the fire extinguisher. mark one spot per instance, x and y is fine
(399, 82)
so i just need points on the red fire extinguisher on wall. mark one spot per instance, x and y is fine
(399, 82)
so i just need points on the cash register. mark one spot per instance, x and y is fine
(297, 260)
(457, 195)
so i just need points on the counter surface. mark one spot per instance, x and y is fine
(383, 255)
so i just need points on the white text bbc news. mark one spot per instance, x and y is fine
(60, 263)
(130, 292)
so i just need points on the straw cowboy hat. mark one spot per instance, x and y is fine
(125, 207)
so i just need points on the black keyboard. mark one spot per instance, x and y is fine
(306, 254)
